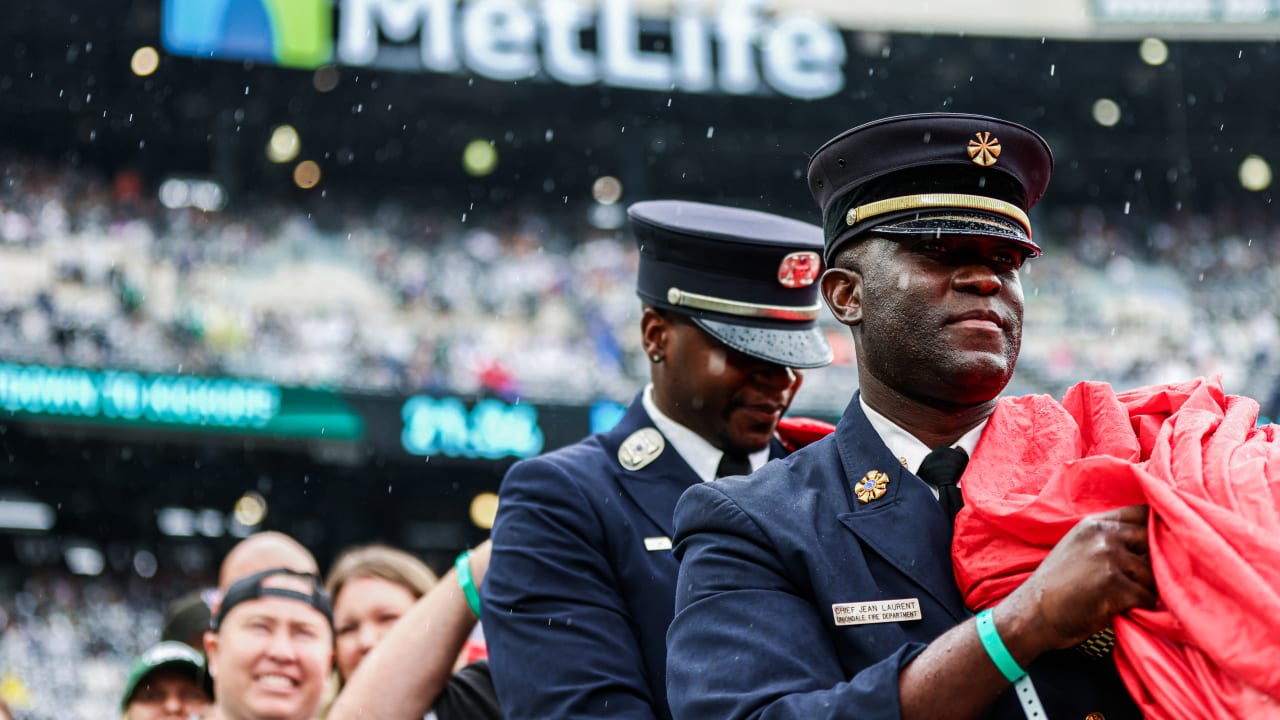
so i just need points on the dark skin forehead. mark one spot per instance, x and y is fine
(956, 248)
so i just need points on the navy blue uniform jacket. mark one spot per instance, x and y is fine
(576, 607)
(762, 560)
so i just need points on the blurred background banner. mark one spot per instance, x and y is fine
(1083, 19)
(331, 267)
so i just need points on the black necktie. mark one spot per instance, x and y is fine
(731, 464)
(941, 468)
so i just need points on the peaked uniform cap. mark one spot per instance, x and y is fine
(930, 173)
(747, 278)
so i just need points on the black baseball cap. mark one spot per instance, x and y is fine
(253, 587)
(747, 278)
(930, 173)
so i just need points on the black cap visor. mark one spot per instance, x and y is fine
(804, 347)
(946, 222)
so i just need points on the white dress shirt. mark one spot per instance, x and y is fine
(909, 450)
(701, 455)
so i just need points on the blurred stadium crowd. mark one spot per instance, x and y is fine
(1136, 300)
(68, 640)
(539, 304)
(95, 272)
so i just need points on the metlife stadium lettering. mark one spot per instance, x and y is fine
(738, 50)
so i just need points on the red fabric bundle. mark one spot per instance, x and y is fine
(1211, 477)
(796, 432)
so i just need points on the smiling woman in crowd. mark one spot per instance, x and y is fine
(371, 587)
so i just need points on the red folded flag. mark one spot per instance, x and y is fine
(1211, 477)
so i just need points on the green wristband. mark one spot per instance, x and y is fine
(996, 650)
(463, 566)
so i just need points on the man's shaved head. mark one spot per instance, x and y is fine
(263, 551)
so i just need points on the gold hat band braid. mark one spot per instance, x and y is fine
(938, 200)
(684, 298)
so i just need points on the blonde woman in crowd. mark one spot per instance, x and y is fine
(373, 587)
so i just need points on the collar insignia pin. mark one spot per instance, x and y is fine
(641, 448)
(871, 486)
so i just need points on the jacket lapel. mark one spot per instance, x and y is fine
(906, 524)
(656, 487)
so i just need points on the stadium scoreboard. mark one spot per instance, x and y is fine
(479, 428)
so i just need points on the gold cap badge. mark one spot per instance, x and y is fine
(641, 448)
(871, 486)
(984, 149)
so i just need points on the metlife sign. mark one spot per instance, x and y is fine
(737, 47)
